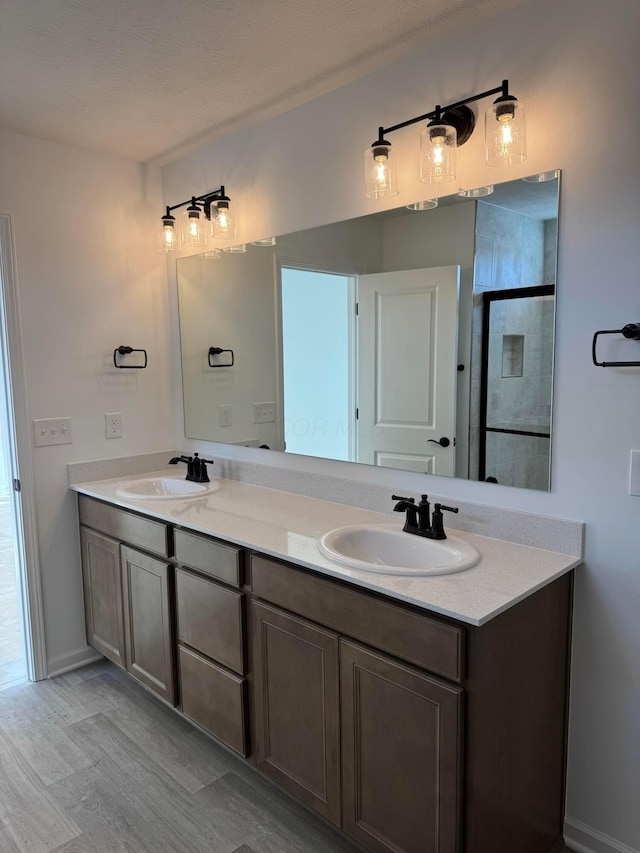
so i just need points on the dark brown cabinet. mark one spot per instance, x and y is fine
(127, 593)
(297, 708)
(410, 732)
(401, 751)
(147, 621)
(102, 581)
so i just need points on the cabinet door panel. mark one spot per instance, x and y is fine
(297, 708)
(400, 753)
(147, 622)
(103, 595)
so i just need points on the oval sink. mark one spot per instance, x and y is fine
(387, 549)
(162, 488)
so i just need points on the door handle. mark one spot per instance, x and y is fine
(444, 441)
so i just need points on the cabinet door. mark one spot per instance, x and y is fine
(401, 747)
(297, 707)
(103, 595)
(149, 640)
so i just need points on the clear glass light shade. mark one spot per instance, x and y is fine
(168, 237)
(223, 222)
(505, 134)
(477, 192)
(380, 172)
(193, 229)
(213, 254)
(542, 177)
(438, 154)
(266, 241)
(235, 250)
(427, 204)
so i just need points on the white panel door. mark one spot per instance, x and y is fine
(407, 346)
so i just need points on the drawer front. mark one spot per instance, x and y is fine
(125, 526)
(211, 619)
(214, 698)
(428, 644)
(210, 557)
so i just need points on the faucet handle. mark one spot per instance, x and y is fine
(400, 498)
(447, 508)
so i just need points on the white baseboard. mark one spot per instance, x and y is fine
(585, 839)
(72, 660)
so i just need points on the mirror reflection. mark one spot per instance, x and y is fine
(413, 339)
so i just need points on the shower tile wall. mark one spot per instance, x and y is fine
(513, 250)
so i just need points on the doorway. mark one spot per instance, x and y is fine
(317, 342)
(22, 645)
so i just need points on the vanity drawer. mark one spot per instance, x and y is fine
(125, 526)
(208, 556)
(211, 619)
(214, 698)
(417, 639)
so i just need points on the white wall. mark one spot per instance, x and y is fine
(575, 63)
(89, 279)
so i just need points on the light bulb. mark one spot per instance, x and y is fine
(167, 237)
(193, 235)
(223, 221)
(380, 171)
(505, 133)
(438, 142)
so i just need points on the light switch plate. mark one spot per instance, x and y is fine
(48, 431)
(264, 413)
(634, 473)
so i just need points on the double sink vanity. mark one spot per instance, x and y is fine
(412, 692)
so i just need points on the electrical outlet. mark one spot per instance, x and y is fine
(52, 431)
(634, 473)
(224, 415)
(264, 413)
(113, 424)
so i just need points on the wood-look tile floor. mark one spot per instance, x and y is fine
(91, 763)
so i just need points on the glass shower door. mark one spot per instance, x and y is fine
(516, 386)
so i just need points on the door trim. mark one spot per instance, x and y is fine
(21, 463)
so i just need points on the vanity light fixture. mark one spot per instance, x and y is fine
(214, 208)
(449, 127)
(266, 241)
(235, 250)
(213, 254)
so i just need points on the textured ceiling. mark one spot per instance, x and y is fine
(147, 78)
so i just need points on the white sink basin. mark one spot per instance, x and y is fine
(162, 488)
(387, 549)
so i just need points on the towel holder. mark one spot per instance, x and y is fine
(218, 351)
(127, 351)
(631, 331)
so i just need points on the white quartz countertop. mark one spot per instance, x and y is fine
(287, 526)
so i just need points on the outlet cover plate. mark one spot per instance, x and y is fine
(224, 415)
(113, 424)
(47, 431)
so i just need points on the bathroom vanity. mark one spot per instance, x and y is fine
(421, 715)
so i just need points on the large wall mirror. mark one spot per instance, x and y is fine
(419, 340)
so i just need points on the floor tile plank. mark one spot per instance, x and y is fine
(32, 820)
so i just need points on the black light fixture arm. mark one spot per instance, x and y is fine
(206, 200)
(440, 112)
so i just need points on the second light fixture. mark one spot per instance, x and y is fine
(449, 127)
